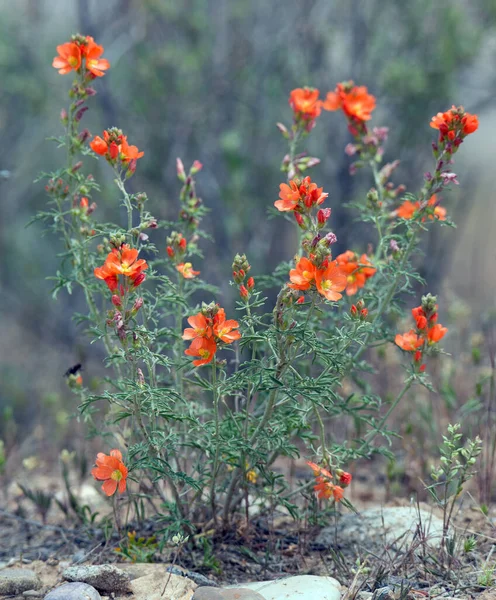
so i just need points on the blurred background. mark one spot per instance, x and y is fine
(208, 80)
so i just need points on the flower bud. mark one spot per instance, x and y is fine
(181, 174)
(354, 311)
(139, 280)
(141, 377)
(323, 215)
(138, 303)
(170, 251)
(250, 283)
(330, 238)
(196, 167)
(300, 220)
(243, 292)
(300, 300)
(282, 128)
(116, 301)
(63, 116)
(364, 313)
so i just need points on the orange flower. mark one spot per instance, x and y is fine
(186, 270)
(305, 103)
(127, 152)
(289, 196)
(338, 493)
(303, 275)
(409, 341)
(112, 471)
(69, 58)
(203, 347)
(323, 488)
(408, 209)
(357, 270)
(319, 471)
(299, 194)
(436, 333)
(355, 101)
(92, 52)
(454, 123)
(224, 330)
(123, 261)
(200, 327)
(330, 281)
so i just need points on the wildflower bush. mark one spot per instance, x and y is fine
(199, 401)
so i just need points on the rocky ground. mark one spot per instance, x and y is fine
(384, 553)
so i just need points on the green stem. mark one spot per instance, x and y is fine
(217, 441)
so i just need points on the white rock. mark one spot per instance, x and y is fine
(150, 587)
(385, 526)
(73, 591)
(300, 587)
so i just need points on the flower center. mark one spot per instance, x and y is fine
(350, 278)
(116, 475)
(73, 61)
(203, 353)
(326, 284)
(307, 275)
(92, 63)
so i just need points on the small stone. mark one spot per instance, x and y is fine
(16, 581)
(32, 594)
(209, 593)
(105, 578)
(52, 562)
(73, 591)
(300, 587)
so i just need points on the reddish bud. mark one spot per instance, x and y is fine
(170, 251)
(116, 301)
(63, 116)
(77, 166)
(139, 280)
(83, 203)
(114, 150)
(250, 283)
(182, 244)
(353, 311)
(418, 356)
(300, 300)
(299, 220)
(364, 313)
(422, 368)
(344, 477)
(323, 215)
(243, 292)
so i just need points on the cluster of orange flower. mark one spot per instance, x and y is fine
(408, 209)
(454, 124)
(122, 261)
(115, 148)
(355, 101)
(82, 51)
(428, 331)
(324, 487)
(208, 328)
(112, 471)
